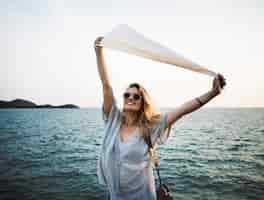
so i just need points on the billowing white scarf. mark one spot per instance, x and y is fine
(124, 38)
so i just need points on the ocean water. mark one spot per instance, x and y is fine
(212, 153)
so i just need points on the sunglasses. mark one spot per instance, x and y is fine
(135, 96)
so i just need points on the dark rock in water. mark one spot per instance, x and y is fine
(17, 103)
(68, 106)
(21, 103)
(45, 106)
(61, 106)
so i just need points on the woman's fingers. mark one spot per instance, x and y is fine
(221, 80)
(217, 84)
(98, 41)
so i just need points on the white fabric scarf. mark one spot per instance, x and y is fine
(124, 38)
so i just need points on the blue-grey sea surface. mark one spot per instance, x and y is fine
(212, 153)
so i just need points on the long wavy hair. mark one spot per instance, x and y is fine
(147, 116)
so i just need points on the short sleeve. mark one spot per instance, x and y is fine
(113, 114)
(160, 132)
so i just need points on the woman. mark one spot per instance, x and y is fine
(124, 165)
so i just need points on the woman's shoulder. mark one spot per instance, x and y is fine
(156, 120)
(159, 132)
(114, 114)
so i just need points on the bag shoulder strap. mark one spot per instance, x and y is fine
(154, 157)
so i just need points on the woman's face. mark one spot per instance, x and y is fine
(132, 99)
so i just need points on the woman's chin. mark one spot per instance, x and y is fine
(130, 109)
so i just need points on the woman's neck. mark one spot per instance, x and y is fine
(130, 119)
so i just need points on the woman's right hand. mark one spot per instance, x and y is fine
(97, 42)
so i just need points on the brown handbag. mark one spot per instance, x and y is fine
(162, 191)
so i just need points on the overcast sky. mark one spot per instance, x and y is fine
(47, 55)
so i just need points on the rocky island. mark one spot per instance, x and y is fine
(21, 103)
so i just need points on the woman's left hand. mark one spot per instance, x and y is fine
(97, 42)
(219, 83)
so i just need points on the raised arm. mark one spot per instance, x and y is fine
(102, 70)
(198, 102)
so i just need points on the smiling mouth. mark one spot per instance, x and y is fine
(130, 103)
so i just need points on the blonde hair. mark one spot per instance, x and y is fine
(147, 115)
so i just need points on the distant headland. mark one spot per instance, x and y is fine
(22, 103)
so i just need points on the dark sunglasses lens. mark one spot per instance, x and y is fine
(136, 97)
(126, 95)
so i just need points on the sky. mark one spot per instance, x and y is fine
(47, 54)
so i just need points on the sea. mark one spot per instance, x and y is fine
(50, 154)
